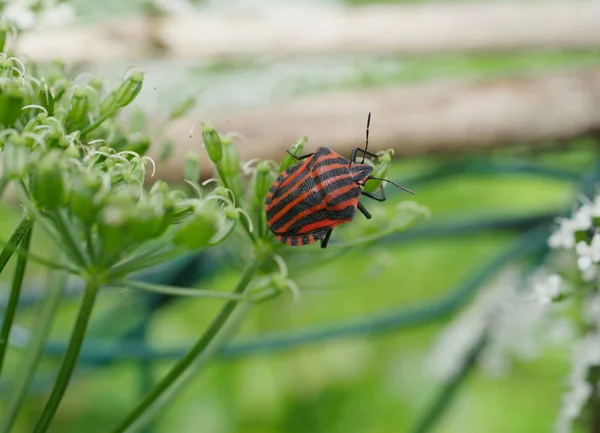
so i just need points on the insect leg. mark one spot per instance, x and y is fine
(325, 240)
(299, 158)
(355, 151)
(376, 197)
(365, 212)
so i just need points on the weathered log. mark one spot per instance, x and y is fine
(440, 117)
(319, 30)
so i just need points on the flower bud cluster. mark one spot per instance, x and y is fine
(83, 171)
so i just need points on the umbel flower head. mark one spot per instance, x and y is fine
(89, 193)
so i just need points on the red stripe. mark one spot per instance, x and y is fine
(319, 225)
(286, 182)
(301, 197)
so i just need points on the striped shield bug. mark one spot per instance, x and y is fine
(309, 199)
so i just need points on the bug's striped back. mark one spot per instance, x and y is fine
(312, 197)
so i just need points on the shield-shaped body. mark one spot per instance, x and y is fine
(312, 197)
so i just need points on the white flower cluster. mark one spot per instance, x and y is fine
(588, 255)
(585, 355)
(517, 326)
(522, 318)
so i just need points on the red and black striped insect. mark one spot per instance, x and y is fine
(309, 199)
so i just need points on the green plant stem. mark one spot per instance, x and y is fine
(97, 123)
(71, 357)
(143, 261)
(35, 349)
(196, 351)
(15, 239)
(179, 291)
(15, 295)
(437, 409)
(212, 350)
(4, 181)
(42, 261)
(71, 239)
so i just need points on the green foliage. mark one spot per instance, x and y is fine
(83, 178)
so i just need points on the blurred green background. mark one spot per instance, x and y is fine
(370, 384)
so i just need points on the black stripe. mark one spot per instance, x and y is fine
(305, 240)
(312, 217)
(331, 188)
(346, 213)
(330, 161)
(308, 184)
(294, 241)
(348, 195)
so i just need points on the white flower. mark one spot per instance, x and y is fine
(564, 236)
(546, 289)
(591, 309)
(582, 218)
(588, 254)
(575, 399)
(586, 354)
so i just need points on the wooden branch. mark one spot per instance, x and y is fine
(322, 30)
(448, 117)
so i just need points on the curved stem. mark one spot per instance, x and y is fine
(178, 291)
(138, 263)
(71, 357)
(20, 231)
(437, 409)
(97, 123)
(13, 300)
(198, 350)
(35, 349)
(42, 261)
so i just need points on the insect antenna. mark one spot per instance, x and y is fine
(366, 137)
(393, 183)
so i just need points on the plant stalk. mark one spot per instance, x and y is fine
(71, 357)
(15, 239)
(195, 352)
(15, 295)
(35, 349)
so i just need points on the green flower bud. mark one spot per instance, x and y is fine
(191, 167)
(96, 84)
(83, 200)
(4, 30)
(229, 168)
(160, 187)
(263, 179)
(45, 97)
(12, 99)
(212, 142)
(114, 230)
(129, 89)
(47, 184)
(296, 150)
(197, 231)
(15, 157)
(150, 219)
(79, 106)
(384, 161)
(109, 104)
